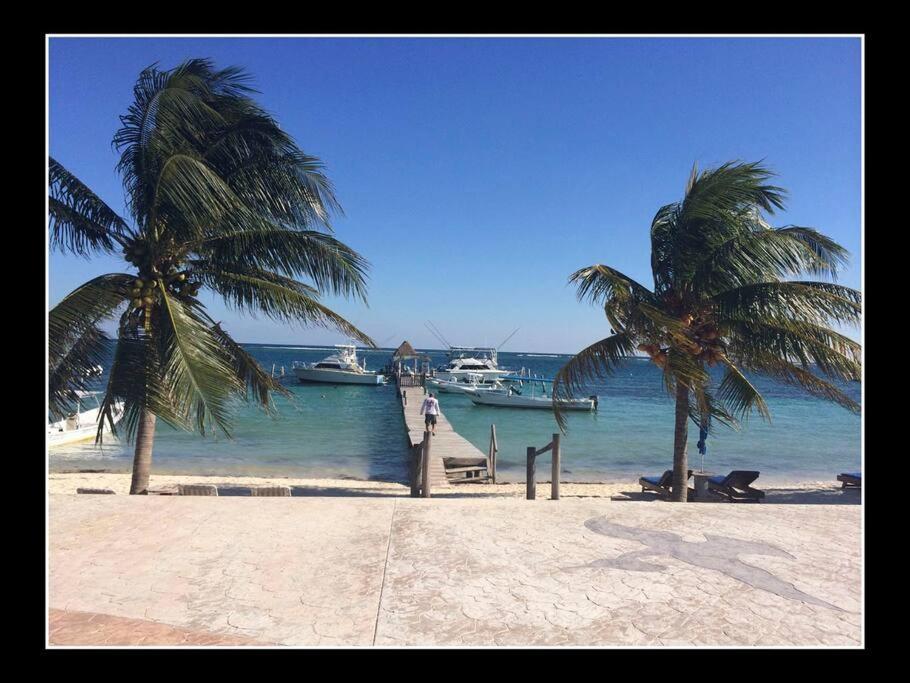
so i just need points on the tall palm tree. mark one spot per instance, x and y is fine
(723, 295)
(221, 198)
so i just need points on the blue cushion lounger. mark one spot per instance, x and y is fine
(735, 486)
(661, 484)
(852, 480)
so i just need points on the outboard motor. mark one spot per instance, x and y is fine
(594, 398)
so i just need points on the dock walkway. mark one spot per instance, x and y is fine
(446, 444)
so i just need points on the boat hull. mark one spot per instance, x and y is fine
(457, 388)
(516, 401)
(457, 375)
(82, 429)
(319, 376)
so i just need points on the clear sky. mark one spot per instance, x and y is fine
(477, 174)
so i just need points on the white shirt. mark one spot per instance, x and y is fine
(430, 406)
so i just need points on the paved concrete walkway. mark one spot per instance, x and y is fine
(384, 571)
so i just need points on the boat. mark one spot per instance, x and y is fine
(81, 425)
(470, 383)
(339, 368)
(465, 360)
(513, 398)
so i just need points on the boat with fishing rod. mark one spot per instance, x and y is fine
(469, 360)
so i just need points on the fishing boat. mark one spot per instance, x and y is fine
(513, 398)
(472, 382)
(466, 360)
(81, 425)
(341, 367)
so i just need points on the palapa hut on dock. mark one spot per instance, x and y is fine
(406, 352)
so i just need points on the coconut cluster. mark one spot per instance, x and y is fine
(156, 270)
(701, 339)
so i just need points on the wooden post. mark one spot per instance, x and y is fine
(416, 453)
(425, 464)
(554, 480)
(531, 485)
(492, 455)
(404, 397)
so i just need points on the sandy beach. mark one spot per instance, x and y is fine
(801, 493)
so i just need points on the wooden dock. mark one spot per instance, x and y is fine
(446, 444)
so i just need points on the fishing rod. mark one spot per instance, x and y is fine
(503, 343)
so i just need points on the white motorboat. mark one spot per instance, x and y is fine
(81, 425)
(511, 398)
(469, 384)
(339, 368)
(465, 360)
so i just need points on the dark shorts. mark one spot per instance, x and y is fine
(429, 420)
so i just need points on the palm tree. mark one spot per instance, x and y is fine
(723, 296)
(221, 198)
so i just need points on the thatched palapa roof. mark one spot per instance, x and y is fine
(406, 352)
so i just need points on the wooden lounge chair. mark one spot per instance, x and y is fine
(280, 491)
(197, 490)
(108, 491)
(850, 480)
(662, 484)
(735, 486)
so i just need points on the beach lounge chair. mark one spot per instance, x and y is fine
(94, 491)
(281, 491)
(735, 486)
(850, 480)
(197, 490)
(661, 484)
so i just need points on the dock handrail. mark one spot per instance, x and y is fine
(532, 453)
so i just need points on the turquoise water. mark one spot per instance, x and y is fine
(358, 431)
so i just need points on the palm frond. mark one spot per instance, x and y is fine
(80, 222)
(594, 362)
(278, 297)
(704, 410)
(789, 373)
(75, 342)
(822, 303)
(332, 266)
(739, 394)
(197, 373)
(71, 370)
(256, 380)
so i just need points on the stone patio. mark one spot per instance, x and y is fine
(484, 572)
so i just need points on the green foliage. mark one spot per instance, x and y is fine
(220, 198)
(723, 295)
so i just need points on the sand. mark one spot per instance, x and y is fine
(813, 492)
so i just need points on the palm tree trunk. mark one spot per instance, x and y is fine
(142, 460)
(680, 444)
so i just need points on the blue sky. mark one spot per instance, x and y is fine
(477, 174)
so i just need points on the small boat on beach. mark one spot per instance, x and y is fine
(80, 425)
(339, 368)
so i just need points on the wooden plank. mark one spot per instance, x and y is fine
(446, 443)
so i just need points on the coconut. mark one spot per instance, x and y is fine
(147, 300)
(136, 303)
(138, 283)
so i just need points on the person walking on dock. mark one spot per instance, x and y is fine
(430, 409)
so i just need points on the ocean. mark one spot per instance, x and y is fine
(358, 432)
